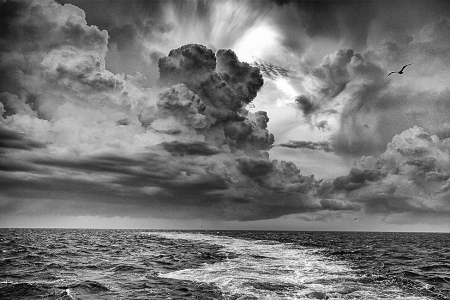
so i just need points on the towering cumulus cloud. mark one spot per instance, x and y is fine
(78, 139)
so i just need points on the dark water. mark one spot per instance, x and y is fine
(138, 264)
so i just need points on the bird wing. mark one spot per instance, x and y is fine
(404, 67)
(391, 73)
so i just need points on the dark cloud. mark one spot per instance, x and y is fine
(415, 210)
(306, 105)
(356, 179)
(261, 119)
(190, 148)
(110, 163)
(225, 86)
(240, 76)
(255, 167)
(333, 74)
(325, 146)
(151, 184)
(10, 139)
(144, 172)
(351, 21)
(321, 22)
(330, 204)
(347, 21)
(231, 84)
(425, 164)
(322, 125)
(187, 64)
(8, 165)
(247, 135)
(345, 183)
(360, 176)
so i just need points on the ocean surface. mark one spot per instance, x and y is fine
(144, 264)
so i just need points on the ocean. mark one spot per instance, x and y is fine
(237, 265)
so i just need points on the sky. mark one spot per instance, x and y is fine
(265, 115)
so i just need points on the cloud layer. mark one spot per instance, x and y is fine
(78, 139)
(134, 112)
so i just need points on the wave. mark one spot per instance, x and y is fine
(287, 272)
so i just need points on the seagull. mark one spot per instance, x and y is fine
(401, 71)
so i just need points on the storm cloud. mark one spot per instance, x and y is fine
(308, 145)
(161, 109)
(110, 145)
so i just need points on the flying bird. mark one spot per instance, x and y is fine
(401, 71)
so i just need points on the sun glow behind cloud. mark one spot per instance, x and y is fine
(284, 86)
(257, 42)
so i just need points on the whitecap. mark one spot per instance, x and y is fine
(272, 270)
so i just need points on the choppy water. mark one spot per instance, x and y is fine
(137, 264)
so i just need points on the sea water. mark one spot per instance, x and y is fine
(139, 264)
